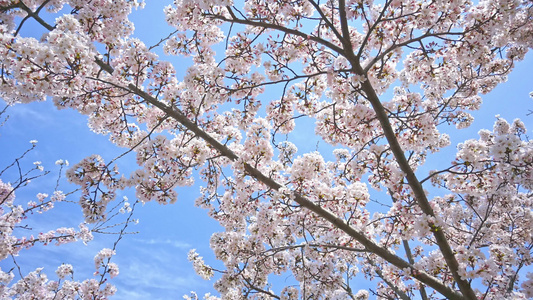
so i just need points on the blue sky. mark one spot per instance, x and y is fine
(153, 263)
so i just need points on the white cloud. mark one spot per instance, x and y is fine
(169, 242)
(146, 277)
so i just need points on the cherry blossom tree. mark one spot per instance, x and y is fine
(382, 80)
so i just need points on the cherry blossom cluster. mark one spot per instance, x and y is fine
(13, 214)
(37, 285)
(99, 184)
(199, 265)
(492, 177)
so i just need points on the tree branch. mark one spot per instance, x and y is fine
(277, 27)
(413, 182)
(398, 292)
(409, 255)
(34, 15)
(302, 200)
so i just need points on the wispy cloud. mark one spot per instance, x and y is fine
(165, 242)
(154, 271)
(39, 112)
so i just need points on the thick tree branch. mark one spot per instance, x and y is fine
(399, 155)
(302, 200)
(413, 182)
(34, 15)
(307, 203)
(346, 39)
